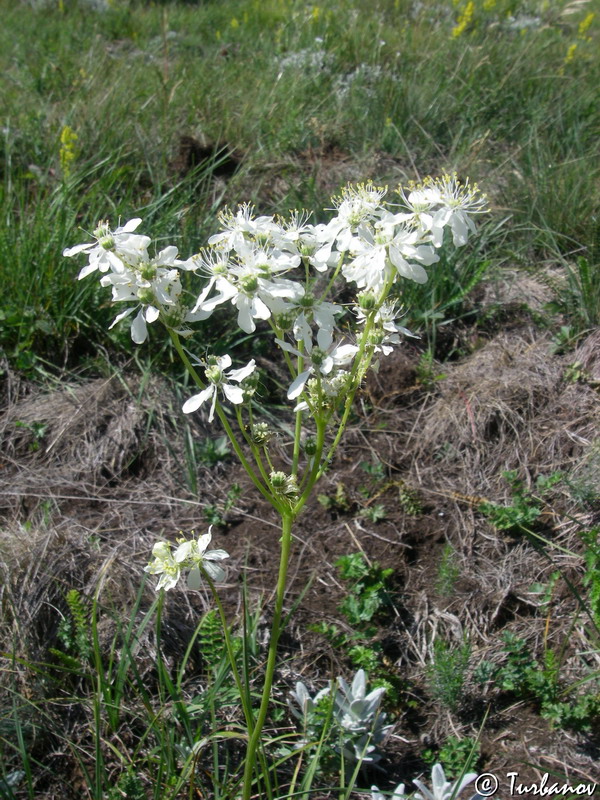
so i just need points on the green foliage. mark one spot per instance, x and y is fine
(591, 578)
(448, 571)
(128, 787)
(376, 469)
(523, 677)
(74, 631)
(374, 513)
(368, 591)
(448, 671)
(525, 508)
(457, 756)
(426, 370)
(409, 500)
(212, 451)
(37, 430)
(577, 296)
(339, 502)
(217, 514)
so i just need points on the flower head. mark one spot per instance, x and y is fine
(218, 378)
(112, 249)
(164, 565)
(191, 554)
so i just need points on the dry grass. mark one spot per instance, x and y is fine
(82, 504)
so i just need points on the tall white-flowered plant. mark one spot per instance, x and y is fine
(285, 275)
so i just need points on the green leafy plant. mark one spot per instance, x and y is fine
(347, 717)
(376, 469)
(212, 451)
(577, 296)
(74, 631)
(591, 578)
(448, 571)
(369, 589)
(375, 513)
(217, 514)
(448, 671)
(457, 756)
(409, 500)
(525, 508)
(37, 430)
(523, 677)
(339, 502)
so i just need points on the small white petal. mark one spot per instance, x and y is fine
(297, 386)
(194, 580)
(235, 394)
(139, 331)
(130, 226)
(242, 372)
(121, 316)
(194, 403)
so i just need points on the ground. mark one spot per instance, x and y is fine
(94, 471)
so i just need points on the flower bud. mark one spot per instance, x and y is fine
(146, 296)
(213, 373)
(318, 356)
(148, 272)
(260, 433)
(310, 446)
(278, 480)
(367, 301)
(249, 283)
(284, 484)
(285, 321)
(307, 300)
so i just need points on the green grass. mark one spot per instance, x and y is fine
(271, 79)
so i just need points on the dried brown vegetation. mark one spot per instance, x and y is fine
(92, 474)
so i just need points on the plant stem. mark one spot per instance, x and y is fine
(225, 422)
(287, 519)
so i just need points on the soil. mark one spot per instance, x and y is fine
(92, 473)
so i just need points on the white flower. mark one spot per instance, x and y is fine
(251, 283)
(324, 358)
(165, 565)
(194, 554)
(457, 200)
(441, 788)
(154, 283)
(242, 226)
(217, 377)
(389, 245)
(112, 249)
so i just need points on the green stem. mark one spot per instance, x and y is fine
(361, 365)
(315, 471)
(225, 423)
(336, 272)
(230, 653)
(287, 519)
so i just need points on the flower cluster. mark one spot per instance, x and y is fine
(279, 271)
(191, 554)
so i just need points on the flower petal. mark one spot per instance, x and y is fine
(194, 403)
